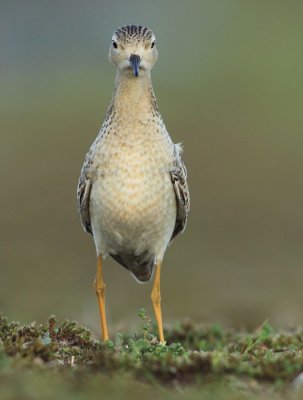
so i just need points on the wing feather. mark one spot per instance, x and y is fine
(179, 180)
(83, 196)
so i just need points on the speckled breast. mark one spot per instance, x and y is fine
(132, 200)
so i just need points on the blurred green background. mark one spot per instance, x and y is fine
(229, 85)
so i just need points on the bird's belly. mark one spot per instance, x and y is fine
(133, 208)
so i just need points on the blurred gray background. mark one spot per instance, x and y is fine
(229, 86)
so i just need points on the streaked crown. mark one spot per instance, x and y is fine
(132, 34)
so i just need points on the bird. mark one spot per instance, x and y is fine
(132, 193)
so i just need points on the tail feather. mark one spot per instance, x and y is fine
(141, 266)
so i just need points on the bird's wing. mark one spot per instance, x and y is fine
(86, 181)
(179, 180)
(83, 193)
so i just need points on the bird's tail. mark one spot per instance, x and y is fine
(141, 266)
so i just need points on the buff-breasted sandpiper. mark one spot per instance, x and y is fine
(132, 193)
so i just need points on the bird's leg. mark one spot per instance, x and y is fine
(100, 292)
(156, 299)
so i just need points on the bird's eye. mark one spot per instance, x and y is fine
(115, 45)
(152, 45)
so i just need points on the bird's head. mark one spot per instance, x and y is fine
(133, 50)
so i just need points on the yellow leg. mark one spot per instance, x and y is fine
(156, 299)
(100, 292)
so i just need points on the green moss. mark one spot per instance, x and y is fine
(191, 354)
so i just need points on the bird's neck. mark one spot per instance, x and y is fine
(134, 96)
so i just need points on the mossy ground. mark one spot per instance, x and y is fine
(63, 360)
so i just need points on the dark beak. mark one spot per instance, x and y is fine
(135, 63)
